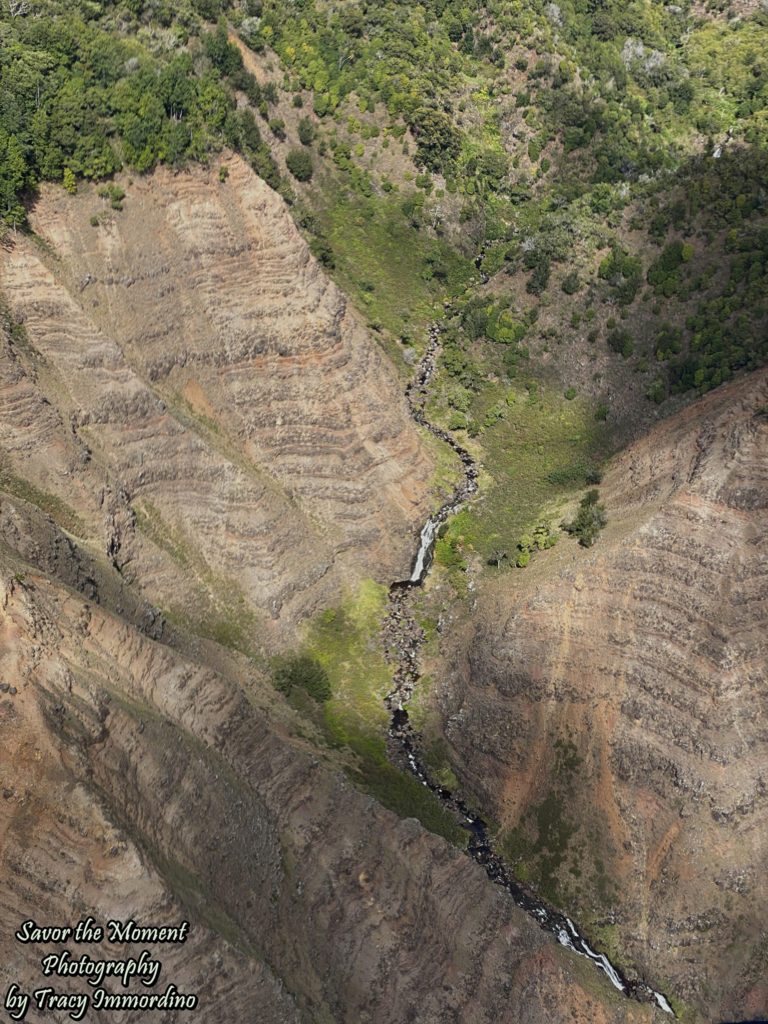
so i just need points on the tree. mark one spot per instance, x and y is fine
(620, 340)
(589, 520)
(571, 283)
(224, 55)
(303, 672)
(277, 127)
(306, 131)
(299, 163)
(437, 140)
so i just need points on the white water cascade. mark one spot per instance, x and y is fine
(426, 540)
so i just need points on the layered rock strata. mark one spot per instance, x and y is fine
(199, 393)
(610, 710)
(140, 784)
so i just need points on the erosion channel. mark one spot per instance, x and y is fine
(403, 638)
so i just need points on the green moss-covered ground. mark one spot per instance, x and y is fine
(345, 641)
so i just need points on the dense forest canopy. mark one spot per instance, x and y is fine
(545, 131)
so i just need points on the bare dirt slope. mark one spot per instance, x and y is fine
(201, 396)
(611, 708)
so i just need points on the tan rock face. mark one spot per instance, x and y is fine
(204, 395)
(192, 417)
(613, 705)
(138, 784)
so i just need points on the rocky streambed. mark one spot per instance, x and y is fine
(403, 638)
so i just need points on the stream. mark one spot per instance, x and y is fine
(403, 638)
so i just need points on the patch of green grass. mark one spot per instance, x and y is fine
(221, 614)
(393, 271)
(345, 641)
(591, 981)
(548, 845)
(436, 758)
(535, 456)
(448, 473)
(683, 1011)
(151, 522)
(206, 909)
(61, 513)
(234, 629)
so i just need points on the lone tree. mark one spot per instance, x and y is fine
(589, 520)
(299, 163)
(303, 671)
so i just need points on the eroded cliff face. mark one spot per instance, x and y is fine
(611, 708)
(202, 400)
(140, 784)
(190, 417)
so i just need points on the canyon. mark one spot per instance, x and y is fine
(204, 399)
(196, 429)
(202, 448)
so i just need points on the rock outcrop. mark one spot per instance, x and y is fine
(610, 710)
(200, 395)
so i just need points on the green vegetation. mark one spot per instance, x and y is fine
(343, 644)
(555, 849)
(61, 513)
(535, 455)
(392, 273)
(90, 87)
(220, 613)
(589, 520)
(653, 117)
(607, 159)
(303, 672)
(299, 163)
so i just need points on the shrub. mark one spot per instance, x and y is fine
(494, 414)
(620, 340)
(277, 127)
(601, 414)
(299, 163)
(303, 671)
(116, 197)
(306, 131)
(322, 251)
(570, 474)
(664, 272)
(540, 277)
(543, 537)
(447, 553)
(570, 284)
(570, 394)
(589, 520)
